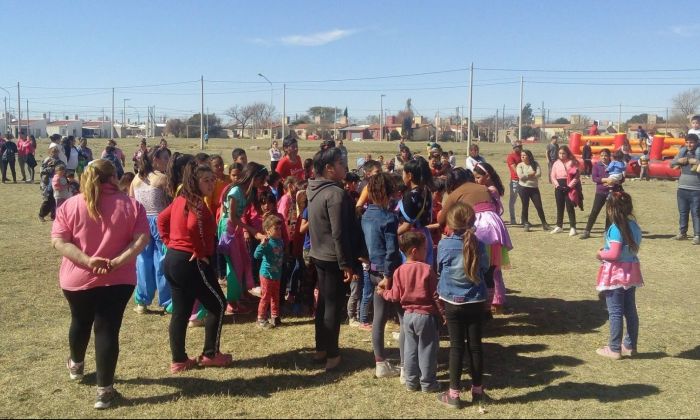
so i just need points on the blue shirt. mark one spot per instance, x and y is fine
(307, 237)
(615, 235)
(272, 255)
(616, 167)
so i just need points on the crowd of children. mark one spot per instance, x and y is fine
(432, 250)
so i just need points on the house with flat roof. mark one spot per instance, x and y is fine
(36, 128)
(65, 128)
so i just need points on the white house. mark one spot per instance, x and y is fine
(65, 128)
(96, 129)
(36, 128)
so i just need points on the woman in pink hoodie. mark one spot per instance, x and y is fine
(563, 185)
(25, 156)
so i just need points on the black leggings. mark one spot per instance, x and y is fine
(331, 302)
(465, 322)
(102, 307)
(527, 194)
(190, 280)
(598, 203)
(562, 199)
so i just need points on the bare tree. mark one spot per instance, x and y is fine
(241, 115)
(685, 104)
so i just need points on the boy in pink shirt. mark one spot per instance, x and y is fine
(414, 285)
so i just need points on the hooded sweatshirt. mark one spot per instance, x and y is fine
(331, 222)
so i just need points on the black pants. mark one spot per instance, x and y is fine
(190, 280)
(102, 307)
(598, 203)
(587, 166)
(4, 165)
(465, 322)
(562, 199)
(527, 194)
(273, 165)
(48, 207)
(331, 302)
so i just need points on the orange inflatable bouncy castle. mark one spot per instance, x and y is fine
(662, 150)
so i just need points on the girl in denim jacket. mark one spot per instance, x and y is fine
(462, 264)
(380, 226)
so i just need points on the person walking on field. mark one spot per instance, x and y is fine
(552, 155)
(98, 233)
(562, 187)
(688, 189)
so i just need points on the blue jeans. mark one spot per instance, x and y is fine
(514, 191)
(688, 204)
(621, 303)
(367, 291)
(149, 270)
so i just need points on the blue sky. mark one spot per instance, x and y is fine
(68, 55)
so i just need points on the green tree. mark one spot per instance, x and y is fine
(327, 113)
(175, 127)
(527, 114)
(561, 120)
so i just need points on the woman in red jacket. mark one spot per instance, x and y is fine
(188, 229)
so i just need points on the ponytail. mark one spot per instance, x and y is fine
(460, 218)
(95, 174)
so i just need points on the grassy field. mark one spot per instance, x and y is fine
(540, 356)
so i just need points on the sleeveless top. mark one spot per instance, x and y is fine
(154, 199)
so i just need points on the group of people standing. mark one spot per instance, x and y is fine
(425, 243)
(22, 152)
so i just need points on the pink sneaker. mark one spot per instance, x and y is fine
(606, 352)
(219, 360)
(177, 367)
(624, 351)
(365, 327)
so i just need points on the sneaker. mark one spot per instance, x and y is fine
(624, 351)
(276, 321)
(546, 227)
(680, 237)
(444, 398)
(572, 232)
(105, 398)
(696, 240)
(526, 228)
(434, 387)
(585, 235)
(478, 398)
(75, 370)
(385, 370)
(354, 323)
(177, 367)
(230, 310)
(606, 352)
(402, 376)
(365, 327)
(219, 360)
(263, 324)
(256, 291)
(396, 335)
(556, 230)
(141, 309)
(195, 323)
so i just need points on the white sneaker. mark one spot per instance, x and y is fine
(141, 309)
(354, 323)
(557, 229)
(385, 370)
(402, 377)
(572, 232)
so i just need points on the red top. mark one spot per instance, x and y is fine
(593, 131)
(183, 233)
(414, 285)
(286, 168)
(512, 161)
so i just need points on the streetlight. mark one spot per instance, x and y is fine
(268, 81)
(381, 114)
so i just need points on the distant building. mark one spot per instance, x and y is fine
(97, 129)
(36, 128)
(65, 128)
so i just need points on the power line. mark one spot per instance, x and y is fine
(586, 71)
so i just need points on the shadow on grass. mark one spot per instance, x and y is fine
(259, 386)
(353, 360)
(548, 316)
(658, 236)
(692, 354)
(573, 391)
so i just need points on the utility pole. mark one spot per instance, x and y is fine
(520, 113)
(19, 112)
(503, 117)
(335, 122)
(28, 133)
(461, 124)
(111, 122)
(496, 139)
(666, 134)
(381, 111)
(201, 119)
(619, 119)
(542, 136)
(471, 89)
(284, 110)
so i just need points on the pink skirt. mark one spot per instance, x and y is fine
(615, 274)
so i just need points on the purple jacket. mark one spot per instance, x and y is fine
(600, 172)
